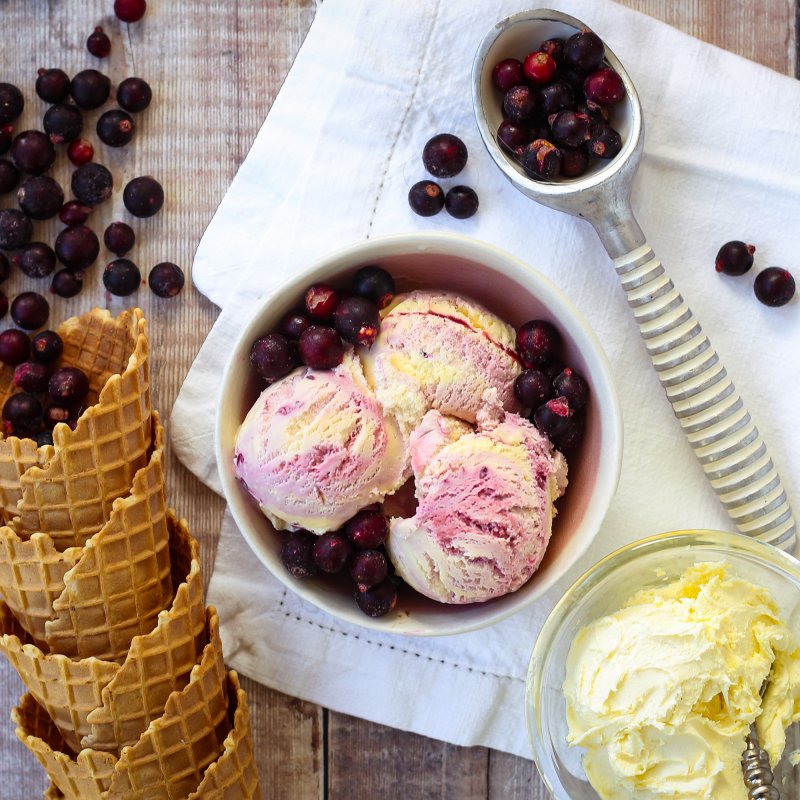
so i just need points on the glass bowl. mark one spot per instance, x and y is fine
(647, 563)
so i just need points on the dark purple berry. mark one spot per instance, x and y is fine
(6, 137)
(165, 279)
(3, 304)
(444, 155)
(572, 386)
(11, 103)
(507, 74)
(74, 213)
(119, 238)
(735, 258)
(532, 388)
(538, 342)
(332, 551)
(374, 283)
(554, 97)
(367, 529)
(30, 310)
(115, 128)
(130, 10)
(37, 260)
(461, 202)
(77, 247)
(90, 88)
(569, 439)
(774, 286)
(122, 277)
(68, 386)
(321, 347)
(9, 176)
(15, 347)
(63, 122)
(31, 376)
(33, 152)
(40, 197)
(297, 554)
(43, 437)
(604, 87)
(143, 196)
(570, 128)
(379, 600)
(5, 268)
(98, 43)
(357, 320)
(574, 161)
(92, 184)
(426, 198)
(47, 347)
(22, 413)
(54, 414)
(539, 68)
(369, 568)
(294, 323)
(67, 283)
(599, 115)
(584, 51)
(541, 159)
(80, 152)
(513, 136)
(554, 48)
(16, 229)
(321, 300)
(273, 356)
(134, 94)
(552, 418)
(604, 141)
(519, 103)
(52, 85)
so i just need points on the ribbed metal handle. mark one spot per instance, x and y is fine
(706, 403)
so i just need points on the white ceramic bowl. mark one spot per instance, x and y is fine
(517, 293)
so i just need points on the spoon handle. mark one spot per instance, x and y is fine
(706, 403)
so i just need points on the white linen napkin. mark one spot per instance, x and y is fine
(333, 163)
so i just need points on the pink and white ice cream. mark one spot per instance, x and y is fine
(316, 447)
(436, 350)
(485, 508)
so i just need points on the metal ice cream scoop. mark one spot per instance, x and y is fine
(703, 397)
(758, 776)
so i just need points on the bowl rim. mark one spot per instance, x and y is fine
(670, 540)
(469, 248)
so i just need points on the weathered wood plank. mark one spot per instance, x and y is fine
(367, 761)
(215, 71)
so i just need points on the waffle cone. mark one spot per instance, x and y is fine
(32, 578)
(68, 490)
(52, 792)
(233, 776)
(86, 776)
(171, 756)
(105, 706)
(122, 580)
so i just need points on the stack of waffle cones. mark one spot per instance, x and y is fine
(101, 598)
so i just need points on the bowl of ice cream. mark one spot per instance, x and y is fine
(647, 674)
(318, 445)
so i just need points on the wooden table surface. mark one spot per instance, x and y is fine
(215, 68)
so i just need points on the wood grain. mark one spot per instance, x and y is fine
(215, 69)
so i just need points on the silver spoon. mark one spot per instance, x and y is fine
(703, 397)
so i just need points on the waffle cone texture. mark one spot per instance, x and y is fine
(67, 490)
(101, 600)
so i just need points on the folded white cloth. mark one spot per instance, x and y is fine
(333, 163)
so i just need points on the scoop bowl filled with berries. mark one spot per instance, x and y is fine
(311, 327)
